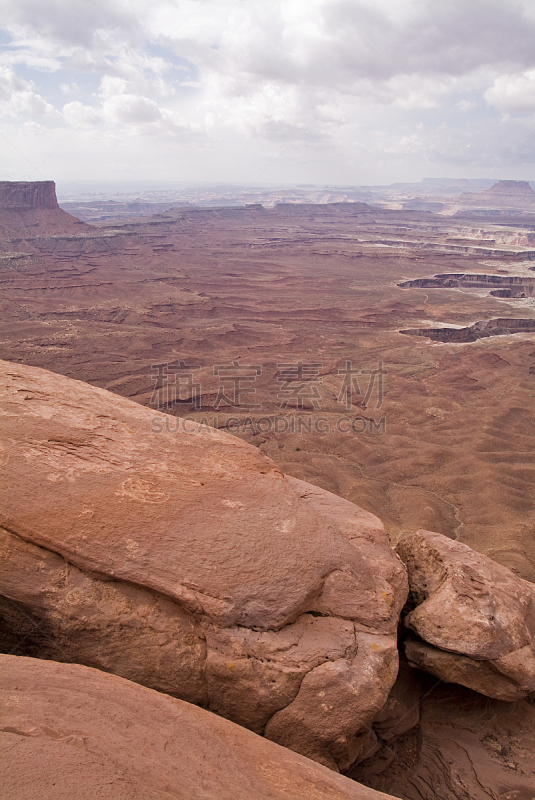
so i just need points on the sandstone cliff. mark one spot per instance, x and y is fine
(479, 330)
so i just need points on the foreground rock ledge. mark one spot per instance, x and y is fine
(189, 563)
(74, 733)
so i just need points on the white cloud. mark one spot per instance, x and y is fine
(19, 98)
(466, 105)
(76, 113)
(69, 88)
(513, 93)
(70, 22)
(349, 80)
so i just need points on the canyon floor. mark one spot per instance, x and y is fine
(298, 310)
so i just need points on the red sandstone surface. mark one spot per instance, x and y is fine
(74, 732)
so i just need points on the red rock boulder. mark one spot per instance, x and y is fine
(474, 619)
(183, 559)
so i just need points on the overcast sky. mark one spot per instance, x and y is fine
(267, 91)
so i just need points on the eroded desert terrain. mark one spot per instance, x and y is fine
(384, 355)
(248, 293)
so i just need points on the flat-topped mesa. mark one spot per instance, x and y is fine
(29, 211)
(504, 194)
(26, 195)
(511, 187)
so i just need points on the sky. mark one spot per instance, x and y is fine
(261, 92)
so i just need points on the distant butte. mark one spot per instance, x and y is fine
(25, 195)
(503, 193)
(511, 188)
(30, 208)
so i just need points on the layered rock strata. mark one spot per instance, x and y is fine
(516, 284)
(513, 194)
(479, 330)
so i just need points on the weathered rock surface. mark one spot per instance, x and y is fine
(475, 619)
(188, 562)
(74, 733)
